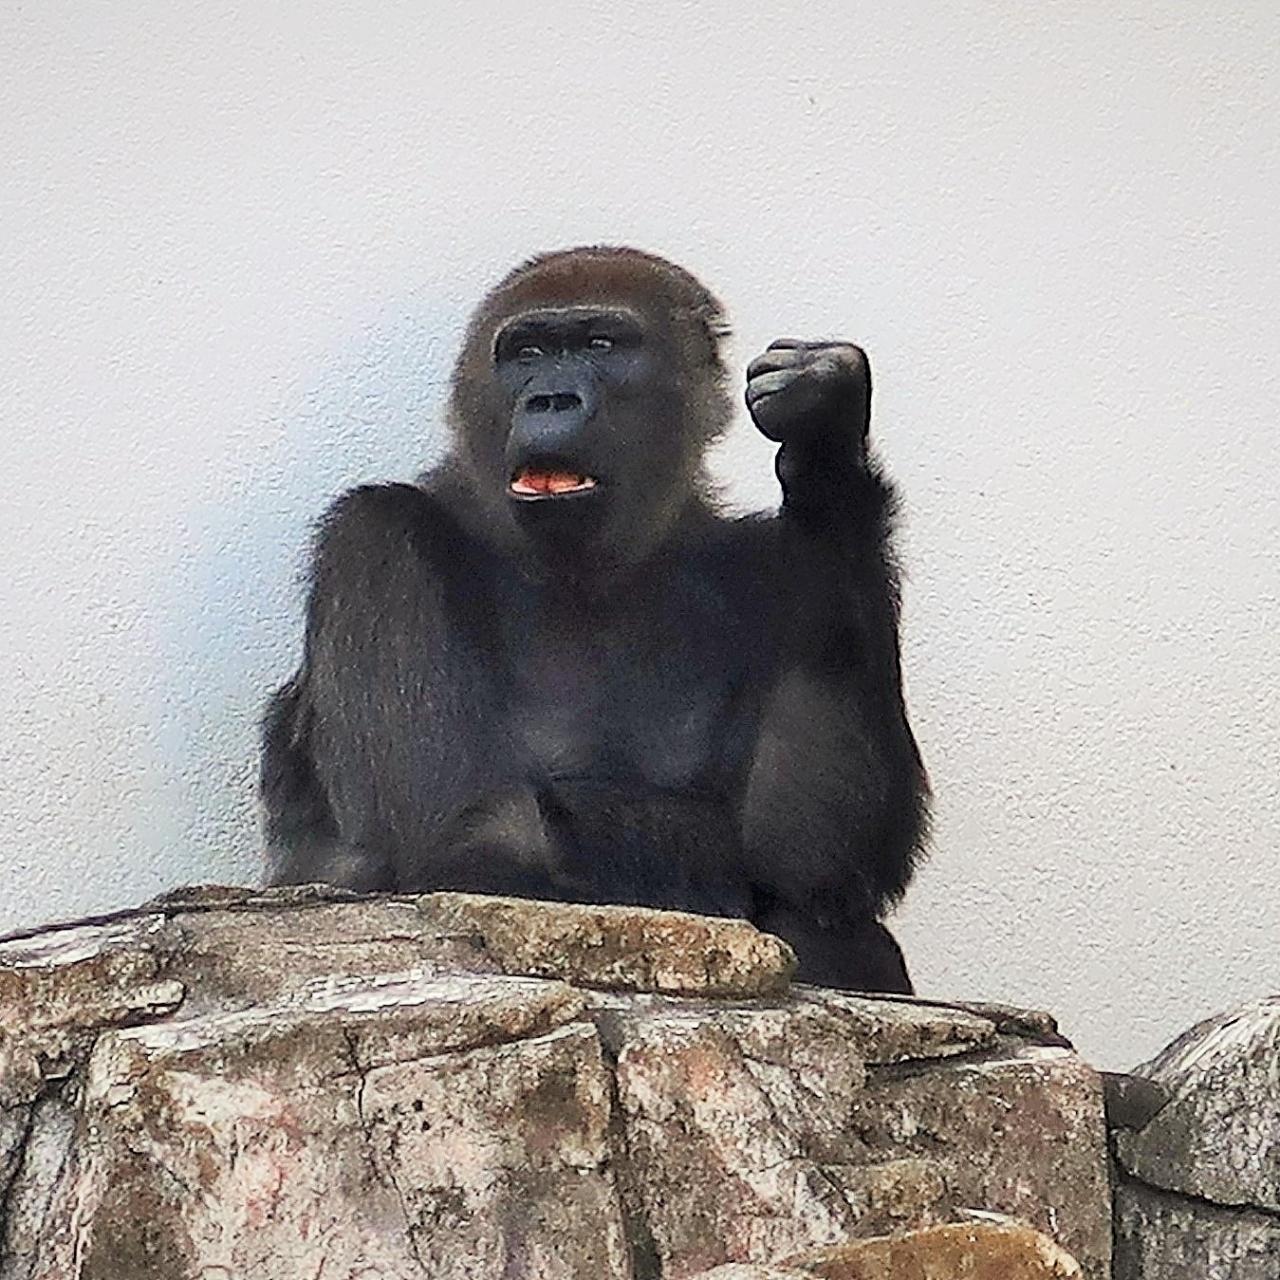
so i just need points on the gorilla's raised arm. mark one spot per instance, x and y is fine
(836, 811)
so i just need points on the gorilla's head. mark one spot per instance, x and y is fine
(589, 385)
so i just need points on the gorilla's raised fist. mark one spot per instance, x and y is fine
(804, 391)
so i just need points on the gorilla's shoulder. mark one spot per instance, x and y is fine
(376, 522)
(379, 504)
(398, 507)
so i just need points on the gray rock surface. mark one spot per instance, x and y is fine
(235, 1083)
(1161, 1236)
(1218, 1137)
(1200, 1192)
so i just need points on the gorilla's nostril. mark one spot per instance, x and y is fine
(556, 402)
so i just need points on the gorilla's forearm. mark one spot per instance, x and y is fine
(839, 798)
(825, 481)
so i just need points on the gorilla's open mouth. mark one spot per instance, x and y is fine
(530, 483)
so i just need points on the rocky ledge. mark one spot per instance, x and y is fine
(1198, 1191)
(236, 1083)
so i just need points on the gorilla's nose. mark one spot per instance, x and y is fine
(551, 421)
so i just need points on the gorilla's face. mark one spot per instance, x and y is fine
(588, 386)
(594, 458)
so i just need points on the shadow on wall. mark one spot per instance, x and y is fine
(230, 605)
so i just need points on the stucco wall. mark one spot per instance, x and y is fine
(236, 246)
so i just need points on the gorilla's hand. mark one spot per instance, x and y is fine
(809, 392)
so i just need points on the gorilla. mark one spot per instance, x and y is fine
(551, 668)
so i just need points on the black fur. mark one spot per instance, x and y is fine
(631, 699)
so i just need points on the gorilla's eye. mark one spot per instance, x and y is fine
(530, 351)
(600, 343)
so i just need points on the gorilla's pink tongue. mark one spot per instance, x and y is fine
(532, 482)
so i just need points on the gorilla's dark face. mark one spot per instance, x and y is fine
(589, 404)
(584, 400)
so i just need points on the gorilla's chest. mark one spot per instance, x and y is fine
(655, 694)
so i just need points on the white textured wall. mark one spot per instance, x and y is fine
(237, 242)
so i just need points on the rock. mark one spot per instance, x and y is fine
(895, 1194)
(208, 897)
(58, 989)
(727, 1111)
(396, 1129)
(37, 1183)
(1162, 1236)
(1200, 1189)
(617, 948)
(957, 1251)
(975, 1251)
(748, 1271)
(773, 1163)
(280, 1084)
(985, 1122)
(1218, 1137)
(1132, 1101)
(240, 955)
(890, 1030)
(243, 947)
(1031, 1024)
